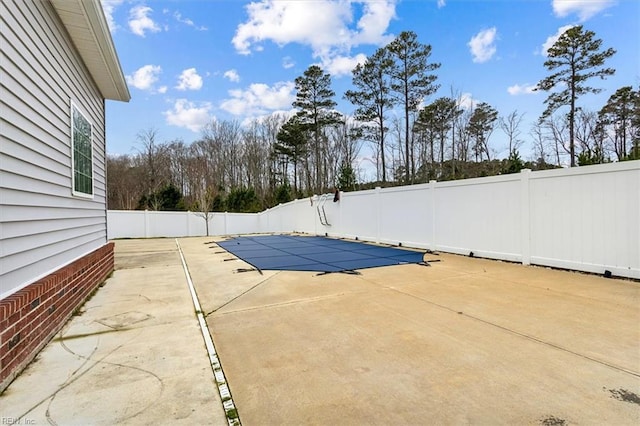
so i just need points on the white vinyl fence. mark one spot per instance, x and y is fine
(585, 219)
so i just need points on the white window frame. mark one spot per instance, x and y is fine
(77, 193)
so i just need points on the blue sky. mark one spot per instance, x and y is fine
(190, 62)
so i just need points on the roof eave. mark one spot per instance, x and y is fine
(112, 84)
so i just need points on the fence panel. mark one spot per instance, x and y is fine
(360, 215)
(406, 215)
(126, 224)
(167, 224)
(242, 223)
(586, 218)
(481, 216)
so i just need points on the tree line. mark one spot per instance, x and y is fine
(247, 168)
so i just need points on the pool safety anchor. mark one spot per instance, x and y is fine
(346, 271)
(239, 270)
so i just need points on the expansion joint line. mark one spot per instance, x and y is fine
(524, 335)
(240, 295)
(223, 388)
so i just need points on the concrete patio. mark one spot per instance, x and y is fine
(464, 341)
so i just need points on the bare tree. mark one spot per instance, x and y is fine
(590, 138)
(346, 143)
(123, 178)
(540, 153)
(178, 153)
(255, 158)
(154, 160)
(510, 125)
(556, 127)
(399, 159)
(204, 204)
(462, 136)
(221, 142)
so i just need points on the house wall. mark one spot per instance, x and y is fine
(53, 245)
(42, 224)
(584, 219)
(30, 317)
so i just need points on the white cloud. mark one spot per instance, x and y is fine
(144, 77)
(288, 62)
(319, 23)
(524, 89)
(327, 26)
(441, 4)
(188, 21)
(185, 21)
(162, 89)
(342, 65)
(585, 9)
(248, 121)
(259, 99)
(139, 21)
(552, 39)
(232, 75)
(482, 45)
(374, 22)
(189, 80)
(466, 101)
(109, 6)
(189, 115)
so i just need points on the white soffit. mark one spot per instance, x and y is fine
(86, 24)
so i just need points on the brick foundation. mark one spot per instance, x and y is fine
(30, 317)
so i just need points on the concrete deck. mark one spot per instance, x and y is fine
(134, 355)
(465, 341)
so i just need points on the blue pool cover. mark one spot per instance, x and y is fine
(311, 253)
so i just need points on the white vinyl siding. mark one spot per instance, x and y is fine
(43, 225)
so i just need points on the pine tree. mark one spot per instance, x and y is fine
(411, 82)
(619, 114)
(573, 59)
(372, 98)
(292, 144)
(441, 113)
(480, 127)
(314, 98)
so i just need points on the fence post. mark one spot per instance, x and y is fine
(146, 223)
(525, 219)
(316, 216)
(378, 189)
(268, 219)
(339, 230)
(432, 191)
(188, 217)
(225, 223)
